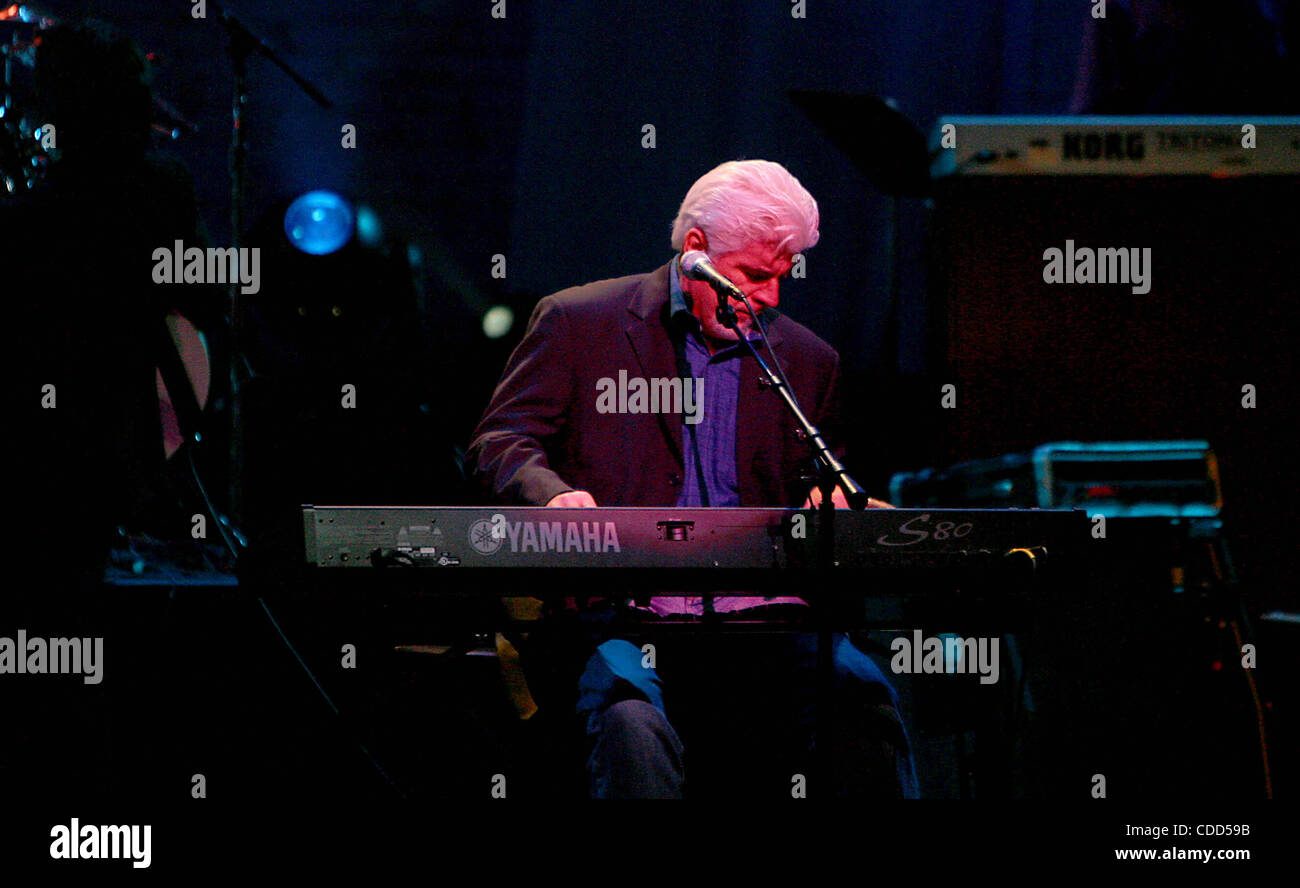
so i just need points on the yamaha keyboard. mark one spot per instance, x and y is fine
(456, 539)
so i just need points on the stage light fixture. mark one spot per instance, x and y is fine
(319, 223)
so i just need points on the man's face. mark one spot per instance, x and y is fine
(757, 269)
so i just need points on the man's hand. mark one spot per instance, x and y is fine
(840, 501)
(572, 499)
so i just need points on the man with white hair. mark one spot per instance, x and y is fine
(547, 438)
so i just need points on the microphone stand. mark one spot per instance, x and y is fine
(830, 473)
(243, 45)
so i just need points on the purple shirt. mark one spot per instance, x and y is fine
(714, 437)
(715, 440)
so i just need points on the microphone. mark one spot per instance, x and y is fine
(697, 266)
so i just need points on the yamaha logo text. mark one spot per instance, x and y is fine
(589, 537)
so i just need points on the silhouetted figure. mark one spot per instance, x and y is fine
(82, 407)
(77, 261)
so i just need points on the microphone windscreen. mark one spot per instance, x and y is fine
(692, 261)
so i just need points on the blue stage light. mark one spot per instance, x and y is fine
(369, 230)
(319, 222)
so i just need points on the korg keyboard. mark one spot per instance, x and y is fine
(1249, 145)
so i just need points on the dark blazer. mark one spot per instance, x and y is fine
(542, 434)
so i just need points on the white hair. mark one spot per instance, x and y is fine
(746, 201)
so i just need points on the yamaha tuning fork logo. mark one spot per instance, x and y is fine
(482, 538)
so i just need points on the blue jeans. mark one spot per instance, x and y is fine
(747, 703)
